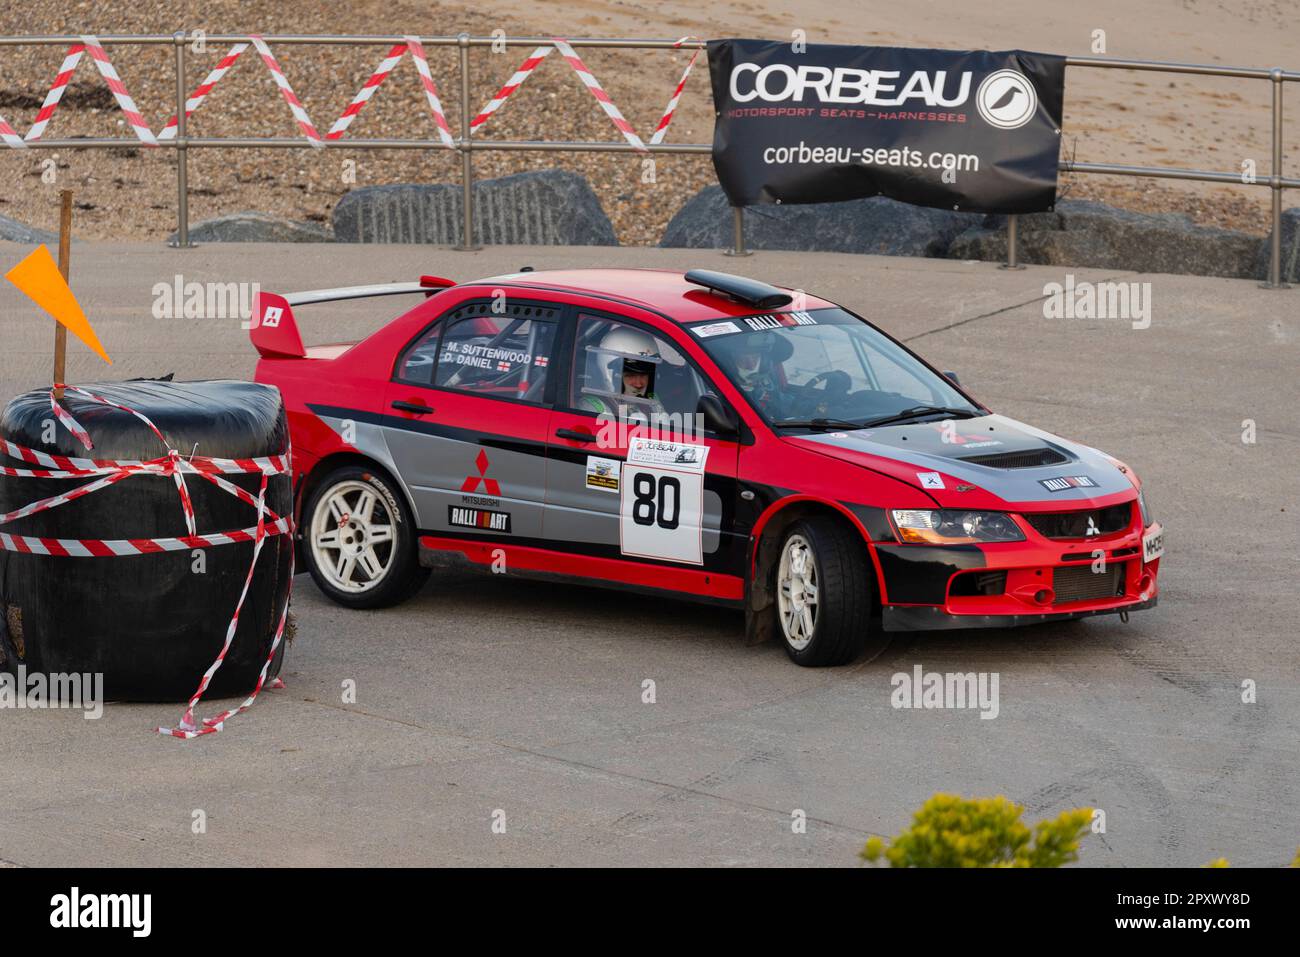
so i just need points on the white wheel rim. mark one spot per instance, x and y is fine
(797, 592)
(352, 537)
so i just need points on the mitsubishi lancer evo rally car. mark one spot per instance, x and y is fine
(693, 436)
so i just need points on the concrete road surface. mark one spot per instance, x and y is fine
(487, 698)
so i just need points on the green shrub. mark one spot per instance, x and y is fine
(1223, 861)
(952, 831)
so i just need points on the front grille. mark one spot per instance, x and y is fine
(1027, 459)
(1081, 583)
(1105, 521)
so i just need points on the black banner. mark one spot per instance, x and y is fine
(235, 908)
(972, 130)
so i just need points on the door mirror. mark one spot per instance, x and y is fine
(953, 377)
(717, 417)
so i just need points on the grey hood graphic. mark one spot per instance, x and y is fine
(993, 453)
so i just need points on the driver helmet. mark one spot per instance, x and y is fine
(629, 351)
(749, 356)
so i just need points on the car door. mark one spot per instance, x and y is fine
(469, 411)
(648, 496)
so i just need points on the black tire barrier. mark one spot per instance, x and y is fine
(152, 624)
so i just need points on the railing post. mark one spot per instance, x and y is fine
(1275, 183)
(738, 233)
(467, 243)
(1013, 243)
(182, 152)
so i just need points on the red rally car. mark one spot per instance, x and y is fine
(700, 436)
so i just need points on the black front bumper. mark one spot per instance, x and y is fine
(936, 619)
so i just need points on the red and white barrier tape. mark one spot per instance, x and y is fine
(11, 138)
(591, 83)
(187, 730)
(269, 524)
(377, 78)
(524, 72)
(62, 466)
(299, 114)
(124, 101)
(122, 547)
(367, 91)
(430, 91)
(203, 89)
(606, 104)
(662, 129)
(55, 94)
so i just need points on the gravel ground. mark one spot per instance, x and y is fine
(136, 199)
(129, 193)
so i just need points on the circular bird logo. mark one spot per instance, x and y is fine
(1006, 99)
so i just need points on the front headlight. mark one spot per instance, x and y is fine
(1142, 506)
(950, 527)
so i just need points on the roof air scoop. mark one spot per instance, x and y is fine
(749, 291)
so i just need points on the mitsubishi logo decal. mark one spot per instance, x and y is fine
(472, 482)
(1092, 528)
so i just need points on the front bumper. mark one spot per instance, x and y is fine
(1015, 583)
(923, 618)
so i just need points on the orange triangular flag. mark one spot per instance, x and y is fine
(38, 277)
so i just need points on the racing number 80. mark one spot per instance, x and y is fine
(650, 500)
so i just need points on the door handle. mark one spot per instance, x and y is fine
(574, 436)
(414, 408)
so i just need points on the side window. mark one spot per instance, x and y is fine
(501, 354)
(615, 364)
(420, 357)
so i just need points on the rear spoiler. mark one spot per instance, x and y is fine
(274, 329)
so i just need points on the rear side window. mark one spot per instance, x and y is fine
(503, 353)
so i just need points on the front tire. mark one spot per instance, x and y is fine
(823, 593)
(360, 541)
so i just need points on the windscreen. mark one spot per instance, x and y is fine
(797, 367)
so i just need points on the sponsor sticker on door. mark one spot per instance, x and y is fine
(677, 455)
(603, 474)
(481, 519)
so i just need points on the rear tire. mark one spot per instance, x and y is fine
(359, 540)
(823, 594)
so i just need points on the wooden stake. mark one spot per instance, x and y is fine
(60, 330)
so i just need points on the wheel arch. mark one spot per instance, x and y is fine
(337, 460)
(766, 537)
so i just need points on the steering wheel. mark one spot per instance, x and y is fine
(832, 382)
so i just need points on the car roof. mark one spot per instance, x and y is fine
(664, 291)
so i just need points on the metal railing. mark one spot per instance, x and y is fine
(466, 146)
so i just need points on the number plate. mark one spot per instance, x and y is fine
(1153, 544)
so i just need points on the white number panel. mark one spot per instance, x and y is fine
(661, 514)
